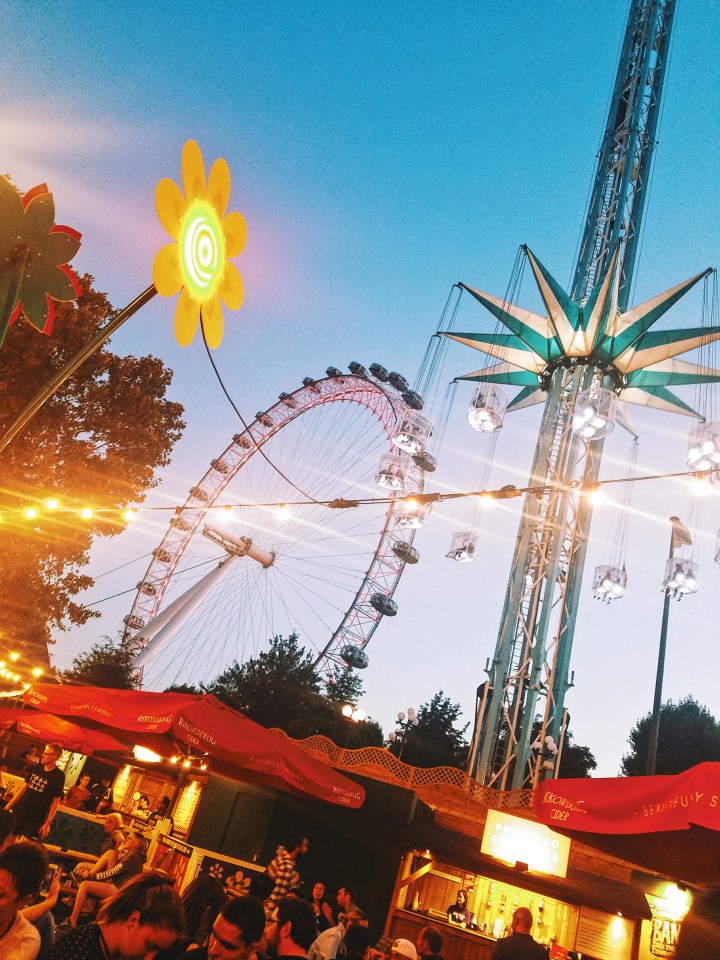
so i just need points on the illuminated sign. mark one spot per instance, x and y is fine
(515, 840)
(604, 935)
(668, 906)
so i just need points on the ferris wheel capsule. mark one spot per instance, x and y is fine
(405, 551)
(462, 547)
(354, 657)
(487, 411)
(383, 604)
(425, 461)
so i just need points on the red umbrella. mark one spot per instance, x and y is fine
(51, 729)
(668, 824)
(237, 745)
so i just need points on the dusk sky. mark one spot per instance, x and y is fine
(381, 152)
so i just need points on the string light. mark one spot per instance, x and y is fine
(486, 497)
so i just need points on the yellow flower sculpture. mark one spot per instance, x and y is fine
(204, 239)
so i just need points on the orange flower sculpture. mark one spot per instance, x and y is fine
(34, 253)
(197, 263)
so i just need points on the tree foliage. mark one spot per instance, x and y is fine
(688, 734)
(98, 441)
(107, 664)
(435, 741)
(280, 688)
(576, 761)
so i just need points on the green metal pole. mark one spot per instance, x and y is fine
(655, 719)
(11, 279)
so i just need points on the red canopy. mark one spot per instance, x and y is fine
(51, 729)
(669, 824)
(237, 745)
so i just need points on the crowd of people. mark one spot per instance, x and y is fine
(120, 910)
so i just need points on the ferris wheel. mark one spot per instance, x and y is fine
(234, 569)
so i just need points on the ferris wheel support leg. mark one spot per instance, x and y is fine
(181, 614)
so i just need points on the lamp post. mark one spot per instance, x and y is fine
(547, 753)
(404, 726)
(679, 580)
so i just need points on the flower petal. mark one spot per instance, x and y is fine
(193, 172)
(61, 247)
(218, 188)
(39, 217)
(212, 321)
(59, 285)
(170, 205)
(231, 288)
(235, 230)
(35, 306)
(187, 314)
(13, 216)
(166, 273)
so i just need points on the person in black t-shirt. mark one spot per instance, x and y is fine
(36, 802)
(458, 912)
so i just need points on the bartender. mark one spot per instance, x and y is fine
(458, 912)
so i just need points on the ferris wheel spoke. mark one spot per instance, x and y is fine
(306, 567)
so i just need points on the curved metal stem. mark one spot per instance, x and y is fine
(29, 411)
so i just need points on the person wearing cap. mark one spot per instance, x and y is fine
(520, 944)
(429, 943)
(403, 950)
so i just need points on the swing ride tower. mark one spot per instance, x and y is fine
(587, 353)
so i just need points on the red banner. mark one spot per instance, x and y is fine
(630, 805)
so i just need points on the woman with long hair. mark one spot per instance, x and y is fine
(321, 908)
(142, 918)
(202, 900)
(104, 884)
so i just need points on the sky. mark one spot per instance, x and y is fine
(381, 152)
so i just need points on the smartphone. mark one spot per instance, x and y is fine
(49, 877)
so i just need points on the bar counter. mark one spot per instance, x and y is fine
(459, 943)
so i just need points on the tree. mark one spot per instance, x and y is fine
(344, 687)
(576, 761)
(280, 688)
(97, 442)
(183, 688)
(688, 734)
(107, 664)
(436, 741)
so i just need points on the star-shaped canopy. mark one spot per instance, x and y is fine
(640, 361)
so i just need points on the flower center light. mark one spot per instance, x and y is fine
(202, 250)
